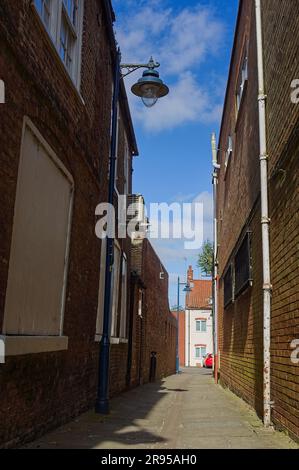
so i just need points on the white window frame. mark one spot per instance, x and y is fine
(201, 356)
(228, 152)
(57, 12)
(16, 345)
(242, 80)
(200, 330)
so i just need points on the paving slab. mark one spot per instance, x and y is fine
(185, 411)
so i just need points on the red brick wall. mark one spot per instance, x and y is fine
(41, 391)
(240, 324)
(156, 330)
(160, 327)
(182, 327)
(281, 68)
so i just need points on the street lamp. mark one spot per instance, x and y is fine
(187, 289)
(150, 88)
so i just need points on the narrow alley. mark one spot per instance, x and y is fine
(185, 411)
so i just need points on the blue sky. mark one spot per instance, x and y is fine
(192, 39)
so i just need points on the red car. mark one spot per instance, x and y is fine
(208, 361)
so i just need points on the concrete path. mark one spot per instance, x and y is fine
(187, 411)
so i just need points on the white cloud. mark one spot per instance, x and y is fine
(186, 103)
(181, 40)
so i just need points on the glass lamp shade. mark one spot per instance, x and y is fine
(150, 88)
(149, 95)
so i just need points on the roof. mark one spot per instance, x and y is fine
(200, 295)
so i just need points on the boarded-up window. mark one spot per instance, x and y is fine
(40, 239)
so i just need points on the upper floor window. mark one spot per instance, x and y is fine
(44, 8)
(242, 79)
(229, 151)
(63, 20)
(201, 325)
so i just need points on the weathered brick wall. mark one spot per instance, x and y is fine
(281, 35)
(156, 330)
(241, 331)
(160, 328)
(240, 324)
(41, 391)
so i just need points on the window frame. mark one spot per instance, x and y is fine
(58, 10)
(243, 77)
(230, 300)
(20, 344)
(201, 322)
(246, 241)
(228, 153)
(202, 347)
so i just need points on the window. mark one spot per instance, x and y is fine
(229, 151)
(124, 287)
(126, 167)
(243, 272)
(118, 140)
(101, 298)
(115, 289)
(44, 9)
(63, 20)
(201, 325)
(140, 303)
(242, 80)
(200, 352)
(228, 286)
(35, 297)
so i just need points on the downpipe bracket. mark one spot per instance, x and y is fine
(262, 97)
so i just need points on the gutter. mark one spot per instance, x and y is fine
(216, 168)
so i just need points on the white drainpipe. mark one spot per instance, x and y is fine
(267, 287)
(216, 167)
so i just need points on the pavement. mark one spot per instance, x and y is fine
(185, 411)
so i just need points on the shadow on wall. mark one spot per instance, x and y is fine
(124, 426)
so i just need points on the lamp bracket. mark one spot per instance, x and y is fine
(130, 68)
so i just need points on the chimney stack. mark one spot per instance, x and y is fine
(190, 275)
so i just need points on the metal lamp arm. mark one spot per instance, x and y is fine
(130, 68)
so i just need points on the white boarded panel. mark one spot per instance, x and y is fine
(34, 299)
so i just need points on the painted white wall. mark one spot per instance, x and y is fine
(193, 337)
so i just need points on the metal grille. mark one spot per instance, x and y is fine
(243, 266)
(228, 287)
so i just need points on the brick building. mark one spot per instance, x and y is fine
(57, 63)
(198, 321)
(153, 327)
(239, 254)
(182, 334)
